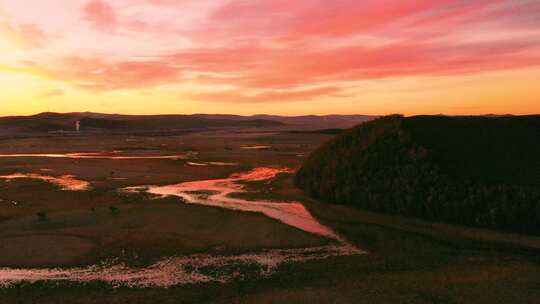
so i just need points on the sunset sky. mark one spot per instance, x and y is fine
(270, 56)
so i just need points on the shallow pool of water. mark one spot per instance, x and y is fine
(291, 213)
(260, 147)
(66, 182)
(98, 155)
(171, 271)
(192, 269)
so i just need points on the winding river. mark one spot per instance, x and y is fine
(97, 155)
(192, 269)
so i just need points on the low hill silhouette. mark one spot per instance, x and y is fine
(47, 122)
(479, 171)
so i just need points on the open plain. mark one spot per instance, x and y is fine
(123, 245)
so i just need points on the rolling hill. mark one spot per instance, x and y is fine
(479, 171)
(51, 122)
(303, 121)
(48, 122)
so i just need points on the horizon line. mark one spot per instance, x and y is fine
(262, 114)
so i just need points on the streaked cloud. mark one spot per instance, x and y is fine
(25, 36)
(52, 93)
(100, 14)
(267, 51)
(280, 96)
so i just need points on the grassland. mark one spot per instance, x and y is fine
(103, 223)
(409, 261)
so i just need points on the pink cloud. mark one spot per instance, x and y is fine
(282, 47)
(97, 75)
(259, 67)
(303, 18)
(26, 36)
(100, 14)
(267, 96)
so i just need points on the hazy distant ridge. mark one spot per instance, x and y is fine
(49, 121)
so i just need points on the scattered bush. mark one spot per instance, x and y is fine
(42, 216)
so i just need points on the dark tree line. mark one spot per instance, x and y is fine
(476, 171)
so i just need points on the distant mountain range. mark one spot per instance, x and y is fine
(54, 122)
(314, 121)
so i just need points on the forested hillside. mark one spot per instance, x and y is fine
(478, 171)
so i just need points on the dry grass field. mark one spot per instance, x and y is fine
(409, 261)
